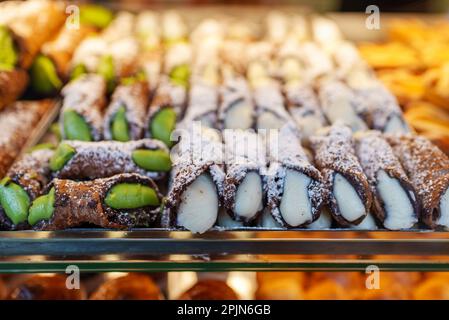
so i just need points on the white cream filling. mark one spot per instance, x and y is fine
(267, 221)
(239, 116)
(444, 209)
(225, 221)
(248, 198)
(349, 203)
(396, 125)
(323, 222)
(268, 120)
(295, 204)
(399, 212)
(367, 224)
(198, 209)
(343, 112)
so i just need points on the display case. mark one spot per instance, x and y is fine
(223, 251)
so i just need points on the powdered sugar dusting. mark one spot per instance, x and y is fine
(107, 158)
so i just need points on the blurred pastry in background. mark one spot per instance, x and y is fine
(46, 287)
(134, 286)
(209, 290)
(280, 286)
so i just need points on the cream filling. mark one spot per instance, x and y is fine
(295, 204)
(199, 205)
(396, 125)
(248, 198)
(367, 224)
(349, 203)
(444, 209)
(399, 212)
(323, 222)
(239, 117)
(343, 112)
(268, 120)
(267, 221)
(225, 221)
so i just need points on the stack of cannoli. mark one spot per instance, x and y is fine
(350, 196)
(243, 193)
(395, 202)
(196, 185)
(295, 188)
(83, 102)
(17, 122)
(427, 167)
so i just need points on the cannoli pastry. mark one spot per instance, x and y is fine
(340, 105)
(25, 27)
(323, 222)
(316, 61)
(177, 61)
(350, 195)
(174, 29)
(148, 30)
(196, 185)
(46, 287)
(12, 84)
(394, 201)
(16, 122)
(305, 109)
(120, 202)
(295, 191)
(162, 115)
(92, 160)
(112, 60)
(133, 286)
(270, 110)
(427, 168)
(209, 289)
(369, 223)
(277, 26)
(203, 105)
(124, 119)
(51, 68)
(236, 109)
(22, 184)
(382, 111)
(245, 170)
(326, 33)
(81, 114)
(122, 26)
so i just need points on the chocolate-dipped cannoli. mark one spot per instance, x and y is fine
(51, 68)
(236, 109)
(270, 110)
(12, 84)
(125, 116)
(166, 107)
(295, 190)
(323, 222)
(119, 202)
(92, 160)
(17, 122)
(196, 185)
(350, 195)
(369, 223)
(24, 27)
(394, 201)
(81, 114)
(245, 171)
(427, 168)
(340, 105)
(203, 104)
(24, 182)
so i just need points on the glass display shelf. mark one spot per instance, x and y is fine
(161, 250)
